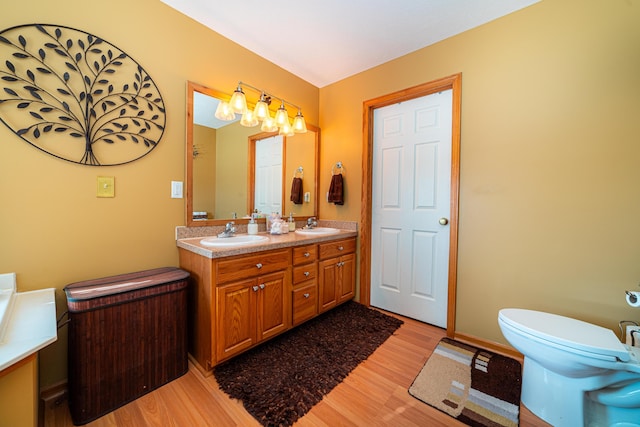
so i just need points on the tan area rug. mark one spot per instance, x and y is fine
(475, 386)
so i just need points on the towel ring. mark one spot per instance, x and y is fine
(338, 168)
(298, 172)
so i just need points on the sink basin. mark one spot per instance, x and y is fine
(318, 231)
(227, 242)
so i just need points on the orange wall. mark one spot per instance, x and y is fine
(550, 157)
(54, 230)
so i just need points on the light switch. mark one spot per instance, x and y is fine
(176, 189)
(106, 186)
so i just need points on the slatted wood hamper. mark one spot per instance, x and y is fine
(127, 337)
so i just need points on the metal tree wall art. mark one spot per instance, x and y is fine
(76, 96)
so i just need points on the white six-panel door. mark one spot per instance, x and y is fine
(410, 207)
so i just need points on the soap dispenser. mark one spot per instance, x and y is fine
(252, 227)
(292, 223)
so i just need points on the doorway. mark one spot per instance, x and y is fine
(452, 83)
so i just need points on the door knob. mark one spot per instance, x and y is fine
(443, 221)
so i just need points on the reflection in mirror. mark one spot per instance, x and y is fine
(223, 181)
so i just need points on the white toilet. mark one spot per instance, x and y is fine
(575, 373)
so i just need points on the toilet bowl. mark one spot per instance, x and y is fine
(575, 373)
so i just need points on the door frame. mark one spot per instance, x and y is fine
(453, 82)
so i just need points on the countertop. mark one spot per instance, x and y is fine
(27, 321)
(276, 241)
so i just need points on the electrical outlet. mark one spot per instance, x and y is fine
(634, 340)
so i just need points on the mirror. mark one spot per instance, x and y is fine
(221, 165)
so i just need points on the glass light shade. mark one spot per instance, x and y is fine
(248, 119)
(238, 101)
(282, 116)
(261, 111)
(299, 126)
(224, 111)
(286, 129)
(269, 125)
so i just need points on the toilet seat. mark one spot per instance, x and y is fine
(559, 331)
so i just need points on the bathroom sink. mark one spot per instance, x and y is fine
(318, 231)
(227, 242)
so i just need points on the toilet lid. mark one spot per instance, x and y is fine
(565, 331)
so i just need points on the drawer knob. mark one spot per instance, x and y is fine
(259, 265)
(306, 274)
(340, 248)
(307, 295)
(255, 288)
(307, 254)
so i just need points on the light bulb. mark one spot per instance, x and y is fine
(269, 125)
(261, 111)
(286, 129)
(238, 101)
(224, 112)
(248, 119)
(282, 116)
(299, 126)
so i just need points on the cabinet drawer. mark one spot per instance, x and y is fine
(242, 267)
(302, 273)
(305, 254)
(337, 248)
(305, 303)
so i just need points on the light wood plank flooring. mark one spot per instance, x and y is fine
(374, 394)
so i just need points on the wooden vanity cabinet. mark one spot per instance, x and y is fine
(336, 273)
(252, 300)
(305, 283)
(236, 302)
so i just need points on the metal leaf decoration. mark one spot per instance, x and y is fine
(76, 96)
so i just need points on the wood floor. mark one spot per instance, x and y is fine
(374, 394)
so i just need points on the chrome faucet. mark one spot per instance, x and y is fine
(312, 222)
(229, 230)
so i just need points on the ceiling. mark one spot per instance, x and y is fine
(323, 41)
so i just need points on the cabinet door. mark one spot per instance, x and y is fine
(273, 314)
(235, 319)
(327, 282)
(346, 272)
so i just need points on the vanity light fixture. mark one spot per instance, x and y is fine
(281, 123)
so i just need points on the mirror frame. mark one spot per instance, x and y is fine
(190, 222)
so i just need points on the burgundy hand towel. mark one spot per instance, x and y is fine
(296, 191)
(336, 190)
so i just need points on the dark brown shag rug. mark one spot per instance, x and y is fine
(282, 379)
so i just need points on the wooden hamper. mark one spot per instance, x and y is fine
(127, 337)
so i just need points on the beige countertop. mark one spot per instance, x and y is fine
(275, 241)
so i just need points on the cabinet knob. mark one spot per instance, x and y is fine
(262, 286)
(306, 295)
(307, 254)
(255, 288)
(340, 264)
(340, 248)
(306, 274)
(258, 265)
